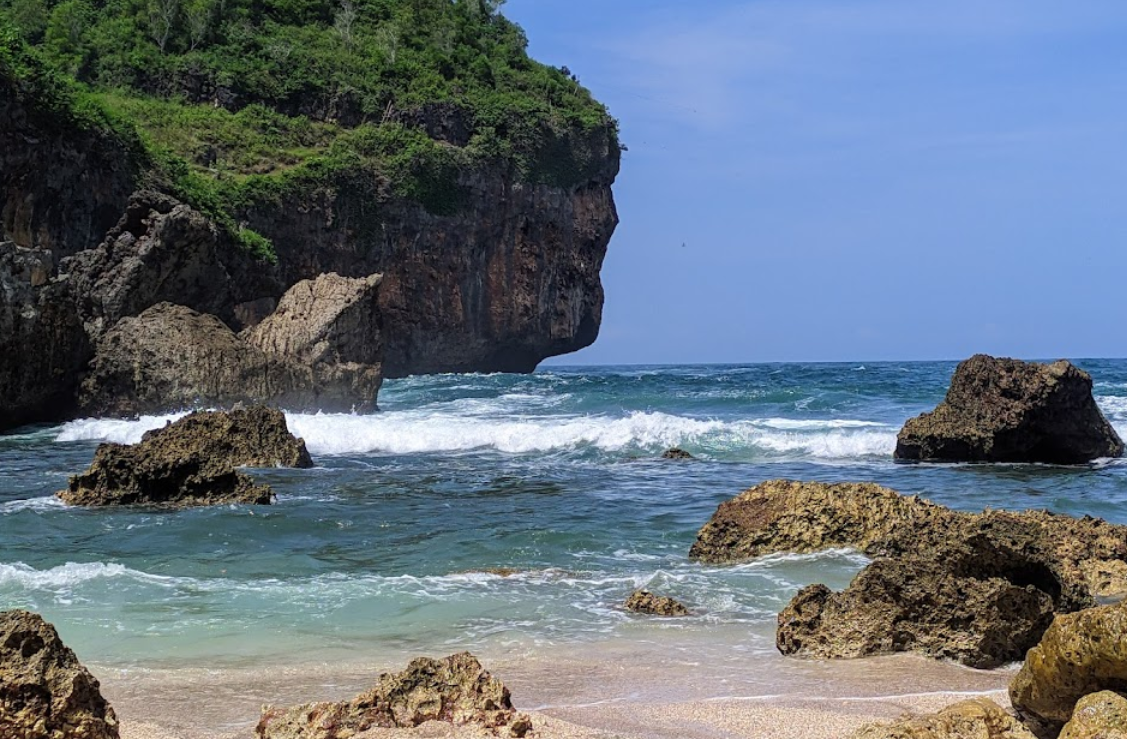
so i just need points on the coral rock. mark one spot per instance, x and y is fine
(643, 601)
(972, 719)
(1100, 715)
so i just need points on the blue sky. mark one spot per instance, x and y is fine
(863, 180)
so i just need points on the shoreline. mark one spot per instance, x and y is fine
(630, 691)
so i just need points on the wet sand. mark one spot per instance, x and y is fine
(629, 691)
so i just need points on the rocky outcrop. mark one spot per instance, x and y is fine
(191, 462)
(171, 357)
(45, 693)
(1080, 654)
(501, 274)
(792, 516)
(967, 609)
(978, 718)
(676, 453)
(162, 250)
(1100, 715)
(42, 343)
(643, 601)
(455, 689)
(1006, 410)
(333, 326)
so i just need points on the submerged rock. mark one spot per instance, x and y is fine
(643, 601)
(1006, 410)
(676, 453)
(978, 718)
(192, 462)
(1080, 654)
(455, 689)
(45, 693)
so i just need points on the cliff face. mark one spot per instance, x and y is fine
(507, 279)
(63, 186)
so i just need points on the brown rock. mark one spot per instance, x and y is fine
(1006, 410)
(455, 690)
(332, 325)
(790, 516)
(1080, 654)
(676, 453)
(191, 462)
(1100, 715)
(978, 718)
(643, 601)
(45, 693)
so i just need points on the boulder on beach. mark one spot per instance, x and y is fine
(455, 690)
(1080, 654)
(643, 601)
(1100, 715)
(968, 612)
(978, 718)
(192, 462)
(45, 693)
(1007, 410)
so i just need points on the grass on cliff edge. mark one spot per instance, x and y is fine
(253, 88)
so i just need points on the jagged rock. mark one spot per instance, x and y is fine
(42, 343)
(1080, 654)
(191, 462)
(676, 453)
(1006, 410)
(966, 608)
(1087, 555)
(791, 516)
(978, 718)
(45, 693)
(171, 357)
(643, 601)
(331, 324)
(164, 251)
(1100, 715)
(455, 689)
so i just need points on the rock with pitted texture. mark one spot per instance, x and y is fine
(455, 689)
(45, 693)
(643, 601)
(792, 516)
(1100, 715)
(676, 453)
(43, 346)
(1080, 654)
(978, 718)
(332, 325)
(1006, 410)
(192, 462)
(965, 607)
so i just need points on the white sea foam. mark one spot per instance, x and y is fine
(122, 431)
(44, 503)
(66, 576)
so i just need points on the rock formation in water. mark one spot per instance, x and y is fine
(980, 588)
(1006, 410)
(191, 462)
(45, 693)
(643, 601)
(455, 690)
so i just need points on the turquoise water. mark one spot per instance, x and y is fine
(382, 548)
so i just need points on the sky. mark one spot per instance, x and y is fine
(818, 180)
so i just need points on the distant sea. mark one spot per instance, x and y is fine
(386, 547)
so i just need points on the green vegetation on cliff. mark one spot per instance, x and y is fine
(240, 101)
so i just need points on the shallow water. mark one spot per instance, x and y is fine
(382, 549)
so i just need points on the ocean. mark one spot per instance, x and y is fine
(401, 541)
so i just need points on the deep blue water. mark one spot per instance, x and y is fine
(382, 547)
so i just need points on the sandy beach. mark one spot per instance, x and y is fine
(636, 692)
